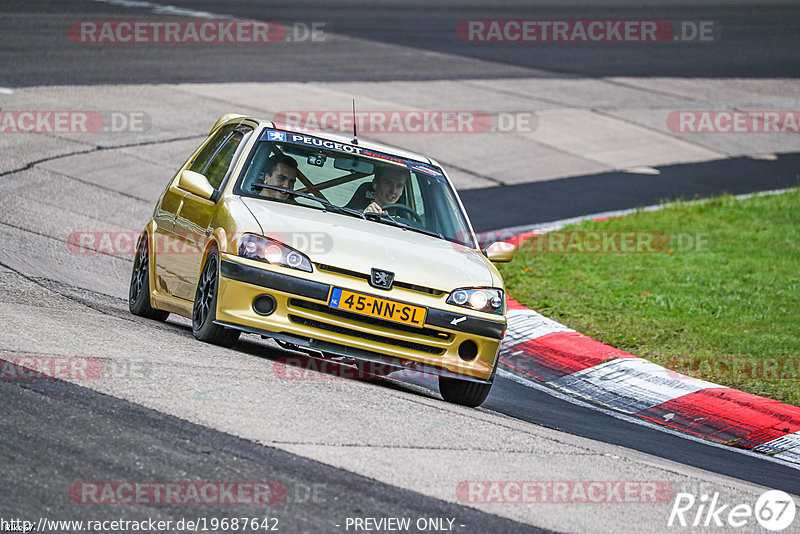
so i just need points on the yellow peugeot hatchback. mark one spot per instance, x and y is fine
(337, 247)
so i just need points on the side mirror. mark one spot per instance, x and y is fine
(195, 183)
(500, 252)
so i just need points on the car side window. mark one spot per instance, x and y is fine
(218, 166)
(202, 159)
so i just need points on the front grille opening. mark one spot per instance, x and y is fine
(363, 276)
(320, 308)
(365, 335)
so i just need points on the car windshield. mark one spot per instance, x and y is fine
(382, 188)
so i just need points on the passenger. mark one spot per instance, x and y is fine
(280, 171)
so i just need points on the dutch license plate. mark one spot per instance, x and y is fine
(390, 310)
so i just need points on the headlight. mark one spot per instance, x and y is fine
(480, 299)
(258, 247)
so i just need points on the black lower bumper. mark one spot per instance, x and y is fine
(325, 349)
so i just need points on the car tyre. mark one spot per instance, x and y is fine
(139, 291)
(204, 310)
(465, 392)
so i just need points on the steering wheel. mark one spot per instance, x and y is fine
(405, 209)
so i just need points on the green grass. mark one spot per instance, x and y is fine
(729, 312)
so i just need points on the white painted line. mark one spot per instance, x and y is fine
(792, 455)
(643, 170)
(638, 421)
(6, 91)
(786, 447)
(163, 9)
(524, 325)
(630, 384)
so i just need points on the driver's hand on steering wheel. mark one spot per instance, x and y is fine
(373, 208)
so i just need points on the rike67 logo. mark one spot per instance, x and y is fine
(774, 510)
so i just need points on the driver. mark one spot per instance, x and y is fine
(280, 171)
(388, 185)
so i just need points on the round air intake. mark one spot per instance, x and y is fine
(264, 304)
(468, 350)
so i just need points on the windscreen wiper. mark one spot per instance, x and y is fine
(425, 231)
(388, 219)
(325, 203)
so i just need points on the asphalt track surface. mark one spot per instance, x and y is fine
(510, 206)
(745, 32)
(56, 432)
(73, 433)
(756, 41)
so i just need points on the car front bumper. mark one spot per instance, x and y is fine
(303, 318)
